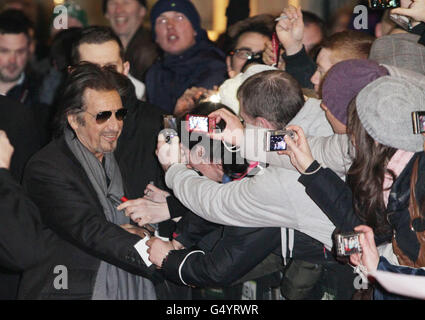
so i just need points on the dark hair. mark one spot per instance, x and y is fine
(367, 174)
(273, 95)
(81, 77)
(232, 162)
(15, 22)
(312, 18)
(60, 51)
(263, 24)
(105, 4)
(95, 35)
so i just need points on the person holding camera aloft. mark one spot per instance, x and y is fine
(416, 11)
(389, 163)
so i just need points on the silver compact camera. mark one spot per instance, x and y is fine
(348, 244)
(274, 140)
(170, 128)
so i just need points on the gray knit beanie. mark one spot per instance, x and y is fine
(385, 109)
(400, 50)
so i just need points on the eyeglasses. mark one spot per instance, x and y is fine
(104, 116)
(246, 54)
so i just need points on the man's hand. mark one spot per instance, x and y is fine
(234, 131)
(416, 10)
(6, 151)
(290, 30)
(135, 230)
(269, 56)
(158, 250)
(299, 150)
(370, 255)
(188, 100)
(155, 194)
(143, 211)
(169, 153)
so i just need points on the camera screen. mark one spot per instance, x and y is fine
(351, 244)
(422, 123)
(277, 143)
(384, 4)
(198, 123)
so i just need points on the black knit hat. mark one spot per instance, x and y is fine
(105, 2)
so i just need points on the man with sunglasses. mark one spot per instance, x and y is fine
(135, 151)
(77, 183)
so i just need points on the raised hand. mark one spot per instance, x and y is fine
(299, 150)
(290, 30)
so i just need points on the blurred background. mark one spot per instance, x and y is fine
(213, 12)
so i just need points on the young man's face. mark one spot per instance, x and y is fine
(313, 35)
(104, 54)
(14, 55)
(324, 63)
(98, 138)
(125, 16)
(248, 42)
(174, 32)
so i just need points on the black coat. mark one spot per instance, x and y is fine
(222, 254)
(135, 152)
(200, 66)
(18, 122)
(78, 234)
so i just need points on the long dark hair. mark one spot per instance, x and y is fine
(367, 174)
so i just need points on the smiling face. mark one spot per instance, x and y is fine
(174, 32)
(125, 17)
(98, 138)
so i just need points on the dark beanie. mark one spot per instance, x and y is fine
(345, 80)
(183, 6)
(105, 2)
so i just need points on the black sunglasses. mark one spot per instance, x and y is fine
(104, 116)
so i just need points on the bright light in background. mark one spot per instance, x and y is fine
(295, 3)
(219, 19)
(215, 98)
(58, 2)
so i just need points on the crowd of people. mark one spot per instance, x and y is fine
(103, 200)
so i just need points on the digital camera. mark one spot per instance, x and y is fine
(348, 244)
(197, 123)
(274, 140)
(418, 119)
(170, 128)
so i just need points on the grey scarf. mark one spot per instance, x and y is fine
(112, 283)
